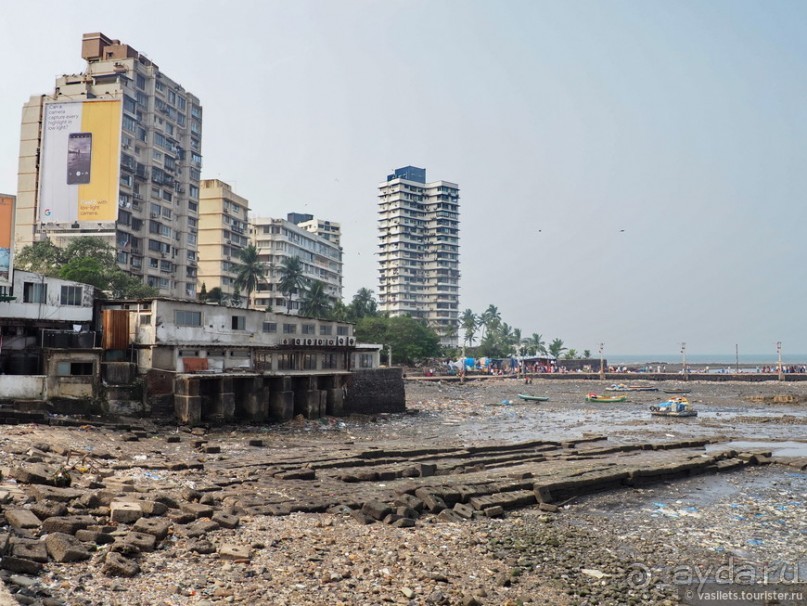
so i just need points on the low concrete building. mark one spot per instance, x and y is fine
(214, 364)
(47, 348)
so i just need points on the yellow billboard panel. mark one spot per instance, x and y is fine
(6, 231)
(80, 161)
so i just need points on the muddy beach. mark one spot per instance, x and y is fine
(347, 511)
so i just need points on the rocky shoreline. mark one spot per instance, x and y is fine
(399, 509)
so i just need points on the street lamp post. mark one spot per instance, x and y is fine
(602, 366)
(780, 374)
(684, 361)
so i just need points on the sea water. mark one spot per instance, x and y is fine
(708, 359)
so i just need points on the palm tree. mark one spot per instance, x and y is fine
(537, 344)
(292, 279)
(250, 271)
(315, 302)
(518, 342)
(556, 348)
(491, 318)
(470, 323)
(507, 336)
(364, 304)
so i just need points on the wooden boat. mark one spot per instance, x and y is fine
(677, 390)
(593, 397)
(642, 388)
(529, 398)
(674, 407)
(617, 387)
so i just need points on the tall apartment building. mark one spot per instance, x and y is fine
(279, 239)
(115, 152)
(324, 229)
(223, 232)
(418, 224)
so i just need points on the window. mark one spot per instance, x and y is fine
(34, 293)
(366, 361)
(187, 318)
(329, 361)
(325, 329)
(239, 322)
(309, 329)
(71, 295)
(286, 362)
(74, 369)
(129, 124)
(289, 329)
(145, 319)
(270, 327)
(341, 331)
(310, 361)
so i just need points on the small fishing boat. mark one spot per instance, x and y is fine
(593, 397)
(617, 387)
(529, 398)
(677, 390)
(674, 407)
(642, 388)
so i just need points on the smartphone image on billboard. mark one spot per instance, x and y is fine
(79, 154)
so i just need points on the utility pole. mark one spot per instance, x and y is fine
(781, 375)
(684, 360)
(389, 356)
(602, 365)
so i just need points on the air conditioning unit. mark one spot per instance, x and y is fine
(330, 341)
(298, 341)
(137, 196)
(319, 341)
(285, 341)
(351, 341)
(155, 215)
(309, 342)
(340, 341)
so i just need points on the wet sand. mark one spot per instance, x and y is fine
(615, 547)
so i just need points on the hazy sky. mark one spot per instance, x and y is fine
(564, 123)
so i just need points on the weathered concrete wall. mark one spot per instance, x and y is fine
(23, 387)
(374, 391)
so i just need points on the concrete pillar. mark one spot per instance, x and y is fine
(187, 400)
(225, 406)
(335, 402)
(281, 399)
(254, 399)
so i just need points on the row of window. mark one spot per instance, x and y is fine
(184, 317)
(33, 292)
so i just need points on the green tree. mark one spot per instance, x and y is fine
(340, 312)
(216, 295)
(587, 354)
(250, 271)
(412, 340)
(86, 259)
(202, 296)
(556, 348)
(363, 304)
(469, 322)
(570, 354)
(491, 318)
(292, 279)
(41, 257)
(316, 303)
(537, 345)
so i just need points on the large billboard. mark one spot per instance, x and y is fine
(80, 161)
(6, 235)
